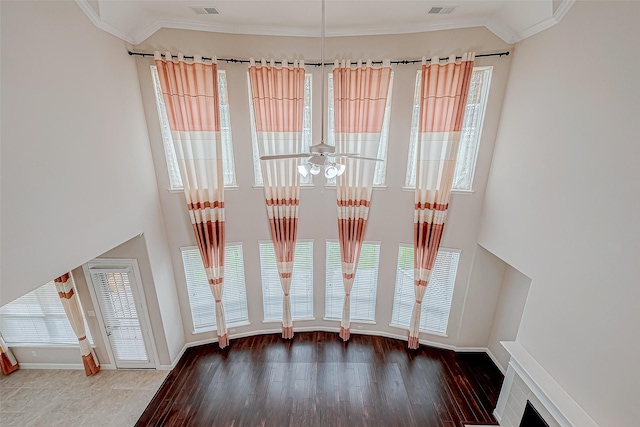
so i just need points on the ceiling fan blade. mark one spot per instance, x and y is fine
(342, 154)
(285, 156)
(352, 156)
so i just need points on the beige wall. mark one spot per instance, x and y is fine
(77, 174)
(392, 212)
(563, 200)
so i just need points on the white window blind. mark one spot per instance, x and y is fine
(301, 293)
(379, 177)
(229, 171)
(38, 318)
(201, 299)
(471, 131)
(437, 299)
(114, 290)
(365, 285)
(306, 132)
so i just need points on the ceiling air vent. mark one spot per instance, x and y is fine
(205, 10)
(442, 10)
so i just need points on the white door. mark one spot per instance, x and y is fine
(118, 296)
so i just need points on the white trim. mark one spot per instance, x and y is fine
(141, 306)
(566, 411)
(331, 329)
(495, 361)
(95, 18)
(64, 366)
(546, 23)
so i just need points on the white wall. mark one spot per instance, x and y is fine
(508, 313)
(392, 209)
(563, 200)
(77, 174)
(485, 284)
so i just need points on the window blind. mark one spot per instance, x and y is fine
(365, 285)
(470, 135)
(38, 318)
(379, 176)
(301, 293)
(306, 132)
(234, 298)
(436, 303)
(113, 288)
(175, 181)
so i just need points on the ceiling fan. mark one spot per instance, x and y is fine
(320, 154)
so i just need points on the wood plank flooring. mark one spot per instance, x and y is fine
(317, 380)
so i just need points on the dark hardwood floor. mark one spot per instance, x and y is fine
(317, 380)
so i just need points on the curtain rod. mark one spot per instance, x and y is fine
(318, 64)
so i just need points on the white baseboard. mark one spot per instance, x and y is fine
(495, 361)
(68, 366)
(336, 330)
(497, 416)
(71, 366)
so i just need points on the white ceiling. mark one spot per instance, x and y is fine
(511, 20)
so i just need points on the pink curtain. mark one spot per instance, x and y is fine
(278, 101)
(443, 99)
(360, 96)
(71, 305)
(8, 362)
(190, 91)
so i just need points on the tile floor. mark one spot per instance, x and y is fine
(34, 397)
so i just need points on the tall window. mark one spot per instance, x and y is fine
(234, 298)
(301, 292)
(379, 178)
(229, 171)
(365, 285)
(437, 299)
(306, 133)
(470, 135)
(38, 318)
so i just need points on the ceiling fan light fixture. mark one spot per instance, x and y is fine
(340, 168)
(330, 171)
(304, 169)
(315, 169)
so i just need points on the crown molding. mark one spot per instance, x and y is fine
(95, 18)
(501, 30)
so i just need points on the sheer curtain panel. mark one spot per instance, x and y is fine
(8, 362)
(69, 299)
(277, 95)
(443, 98)
(190, 92)
(359, 99)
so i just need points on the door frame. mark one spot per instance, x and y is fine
(139, 299)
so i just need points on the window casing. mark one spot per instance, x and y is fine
(436, 303)
(365, 285)
(306, 132)
(201, 301)
(470, 135)
(229, 172)
(301, 293)
(379, 177)
(38, 318)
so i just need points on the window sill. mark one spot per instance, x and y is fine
(424, 331)
(375, 187)
(44, 345)
(213, 329)
(303, 319)
(181, 190)
(466, 192)
(366, 322)
(302, 186)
